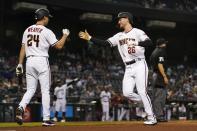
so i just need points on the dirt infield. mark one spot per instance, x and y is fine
(109, 126)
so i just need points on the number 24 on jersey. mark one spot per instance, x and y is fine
(33, 39)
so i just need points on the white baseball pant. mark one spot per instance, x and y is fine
(60, 105)
(37, 68)
(105, 109)
(137, 75)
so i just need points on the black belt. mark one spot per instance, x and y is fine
(30, 56)
(133, 61)
(34, 56)
(59, 98)
(130, 62)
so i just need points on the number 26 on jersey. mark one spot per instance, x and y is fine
(131, 49)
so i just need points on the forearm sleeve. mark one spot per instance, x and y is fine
(99, 41)
(146, 43)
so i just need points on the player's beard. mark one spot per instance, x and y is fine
(46, 23)
(119, 27)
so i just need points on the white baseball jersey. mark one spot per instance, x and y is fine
(136, 74)
(105, 99)
(60, 92)
(105, 96)
(37, 40)
(124, 42)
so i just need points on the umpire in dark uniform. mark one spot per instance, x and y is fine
(160, 80)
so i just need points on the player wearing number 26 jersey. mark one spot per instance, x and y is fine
(125, 42)
(131, 43)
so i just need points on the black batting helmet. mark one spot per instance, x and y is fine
(125, 15)
(40, 13)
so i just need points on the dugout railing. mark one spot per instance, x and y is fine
(174, 110)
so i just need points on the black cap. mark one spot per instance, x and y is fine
(41, 12)
(161, 41)
(125, 15)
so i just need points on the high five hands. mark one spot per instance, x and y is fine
(84, 35)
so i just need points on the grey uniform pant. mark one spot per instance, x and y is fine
(159, 100)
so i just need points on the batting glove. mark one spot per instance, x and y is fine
(66, 31)
(19, 69)
(76, 79)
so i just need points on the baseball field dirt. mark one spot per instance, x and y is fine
(103, 126)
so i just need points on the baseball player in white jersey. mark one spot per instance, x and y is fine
(131, 43)
(105, 102)
(35, 45)
(60, 93)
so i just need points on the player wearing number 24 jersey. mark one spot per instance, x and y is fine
(131, 43)
(38, 39)
(35, 45)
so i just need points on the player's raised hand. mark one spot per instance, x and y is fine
(76, 79)
(84, 35)
(66, 31)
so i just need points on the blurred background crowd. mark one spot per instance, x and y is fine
(94, 74)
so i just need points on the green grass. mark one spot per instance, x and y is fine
(13, 124)
(97, 123)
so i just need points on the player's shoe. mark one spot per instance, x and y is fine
(162, 119)
(55, 119)
(48, 123)
(19, 115)
(150, 122)
(63, 120)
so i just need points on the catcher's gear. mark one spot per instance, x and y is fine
(40, 13)
(66, 31)
(19, 69)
